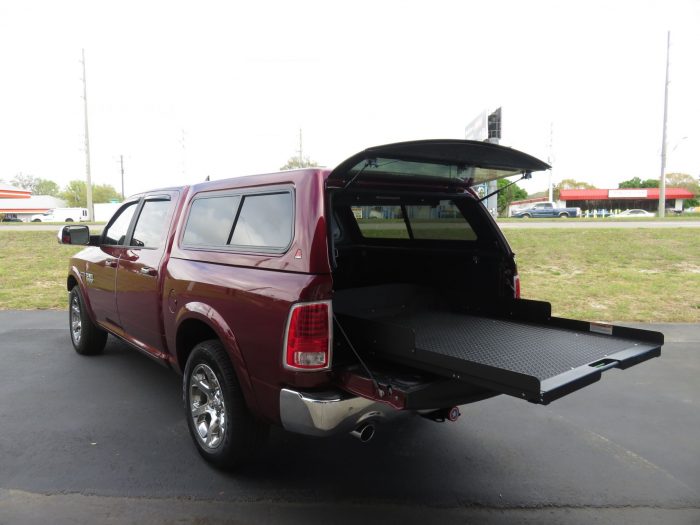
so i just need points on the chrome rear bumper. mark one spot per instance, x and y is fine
(328, 413)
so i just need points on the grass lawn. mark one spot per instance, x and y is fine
(590, 274)
(612, 275)
(33, 270)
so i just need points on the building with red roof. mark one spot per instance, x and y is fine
(624, 198)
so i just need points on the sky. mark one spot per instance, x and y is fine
(186, 90)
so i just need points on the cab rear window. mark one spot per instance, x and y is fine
(440, 221)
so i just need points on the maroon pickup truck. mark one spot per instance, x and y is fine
(328, 301)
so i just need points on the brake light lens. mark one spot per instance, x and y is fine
(308, 337)
(516, 286)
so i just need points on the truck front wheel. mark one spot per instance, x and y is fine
(86, 336)
(222, 427)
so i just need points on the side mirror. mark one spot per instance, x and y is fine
(78, 234)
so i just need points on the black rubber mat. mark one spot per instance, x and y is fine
(538, 351)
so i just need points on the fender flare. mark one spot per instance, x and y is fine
(75, 273)
(206, 314)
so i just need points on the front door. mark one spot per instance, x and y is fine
(101, 266)
(140, 274)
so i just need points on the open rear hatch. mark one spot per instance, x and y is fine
(449, 162)
(516, 349)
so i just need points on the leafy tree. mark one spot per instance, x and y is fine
(25, 182)
(683, 180)
(295, 163)
(46, 187)
(36, 185)
(508, 195)
(636, 182)
(570, 184)
(75, 194)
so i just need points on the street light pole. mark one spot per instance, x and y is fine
(662, 184)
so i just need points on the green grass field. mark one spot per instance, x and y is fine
(590, 274)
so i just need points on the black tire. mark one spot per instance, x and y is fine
(86, 336)
(563, 215)
(36, 220)
(229, 442)
(69, 219)
(525, 216)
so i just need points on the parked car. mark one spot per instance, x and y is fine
(547, 209)
(279, 306)
(10, 217)
(634, 213)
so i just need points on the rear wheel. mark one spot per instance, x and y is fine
(564, 215)
(69, 219)
(222, 427)
(86, 336)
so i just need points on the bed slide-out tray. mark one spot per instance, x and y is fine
(537, 361)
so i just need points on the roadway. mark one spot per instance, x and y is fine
(104, 439)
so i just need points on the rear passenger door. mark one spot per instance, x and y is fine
(139, 276)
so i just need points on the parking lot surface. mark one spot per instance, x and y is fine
(104, 439)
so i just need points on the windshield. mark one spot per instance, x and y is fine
(463, 173)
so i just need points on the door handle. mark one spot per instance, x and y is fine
(147, 270)
(112, 263)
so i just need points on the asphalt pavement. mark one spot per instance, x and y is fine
(104, 440)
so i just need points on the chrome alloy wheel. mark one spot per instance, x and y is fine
(76, 323)
(207, 407)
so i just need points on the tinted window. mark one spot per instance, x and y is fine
(116, 232)
(265, 221)
(443, 221)
(210, 220)
(152, 224)
(381, 222)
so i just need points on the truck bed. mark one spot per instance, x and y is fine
(538, 361)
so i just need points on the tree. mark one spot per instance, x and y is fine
(25, 182)
(36, 185)
(636, 182)
(46, 187)
(570, 184)
(683, 180)
(75, 194)
(295, 163)
(508, 195)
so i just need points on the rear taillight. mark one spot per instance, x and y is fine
(308, 340)
(516, 286)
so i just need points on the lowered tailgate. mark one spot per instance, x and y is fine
(539, 361)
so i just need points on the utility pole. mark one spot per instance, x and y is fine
(301, 151)
(551, 159)
(90, 209)
(662, 185)
(121, 164)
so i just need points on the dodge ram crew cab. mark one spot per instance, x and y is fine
(328, 301)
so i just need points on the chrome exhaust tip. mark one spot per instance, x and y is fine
(364, 433)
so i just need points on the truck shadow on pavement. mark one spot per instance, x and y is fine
(114, 425)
